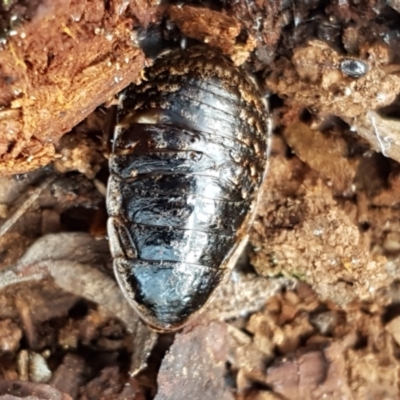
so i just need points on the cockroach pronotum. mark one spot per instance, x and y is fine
(189, 156)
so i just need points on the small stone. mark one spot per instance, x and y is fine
(38, 369)
(325, 322)
(391, 243)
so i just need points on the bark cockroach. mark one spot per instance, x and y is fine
(188, 159)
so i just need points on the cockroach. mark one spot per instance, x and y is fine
(188, 159)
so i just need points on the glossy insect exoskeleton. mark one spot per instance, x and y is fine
(354, 68)
(189, 155)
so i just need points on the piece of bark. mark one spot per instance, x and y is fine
(215, 28)
(69, 376)
(57, 67)
(383, 134)
(311, 374)
(194, 367)
(263, 21)
(111, 385)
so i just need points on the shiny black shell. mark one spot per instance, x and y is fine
(354, 68)
(189, 156)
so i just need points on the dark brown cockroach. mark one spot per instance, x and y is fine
(189, 156)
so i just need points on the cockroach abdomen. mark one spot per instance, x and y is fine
(189, 156)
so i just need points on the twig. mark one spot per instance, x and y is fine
(24, 207)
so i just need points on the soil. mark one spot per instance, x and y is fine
(311, 310)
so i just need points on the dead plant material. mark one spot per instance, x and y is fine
(214, 28)
(204, 348)
(58, 64)
(381, 132)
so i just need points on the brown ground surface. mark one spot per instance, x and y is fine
(313, 309)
